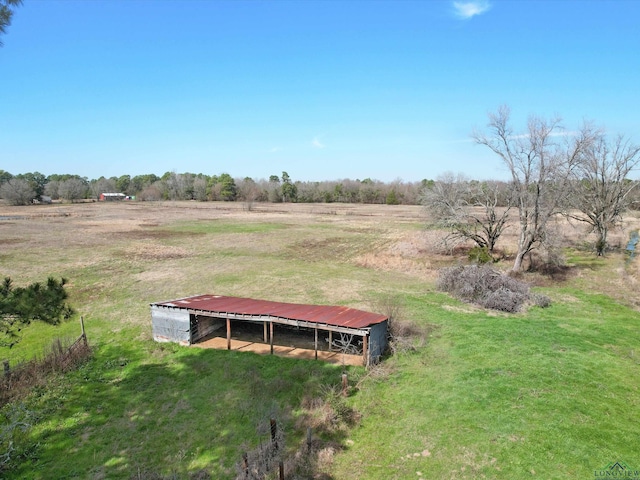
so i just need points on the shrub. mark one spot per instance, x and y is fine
(402, 334)
(484, 286)
(504, 300)
(540, 300)
(59, 357)
(480, 255)
(392, 198)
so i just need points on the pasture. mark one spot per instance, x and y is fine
(546, 393)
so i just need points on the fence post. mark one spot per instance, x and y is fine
(84, 335)
(345, 384)
(274, 442)
(274, 432)
(245, 464)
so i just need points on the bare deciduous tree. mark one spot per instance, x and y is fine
(17, 191)
(541, 164)
(476, 211)
(179, 186)
(51, 189)
(152, 193)
(602, 191)
(200, 189)
(248, 192)
(72, 189)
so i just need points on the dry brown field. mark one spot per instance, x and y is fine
(137, 244)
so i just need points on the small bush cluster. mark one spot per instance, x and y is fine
(328, 413)
(325, 417)
(265, 460)
(540, 300)
(22, 378)
(403, 335)
(487, 288)
(15, 421)
(480, 255)
(16, 382)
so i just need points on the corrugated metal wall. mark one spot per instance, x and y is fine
(171, 325)
(377, 341)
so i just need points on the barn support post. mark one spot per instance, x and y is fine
(316, 342)
(365, 350)
(330, 340)
(271, 336)
(265, 332)
(228, 334)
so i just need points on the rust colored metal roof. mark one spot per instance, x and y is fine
(324, 314)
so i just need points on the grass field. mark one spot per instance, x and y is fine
(548, 393)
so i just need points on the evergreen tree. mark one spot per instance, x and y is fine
(19, 306)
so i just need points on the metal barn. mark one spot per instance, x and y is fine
(331, 332)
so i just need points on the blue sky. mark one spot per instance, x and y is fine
(324, 90)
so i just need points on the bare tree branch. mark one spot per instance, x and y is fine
(601, 190)
(541, 163)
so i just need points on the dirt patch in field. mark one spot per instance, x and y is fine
(10, 241)
(154, 251)
(154, 276)
(340, 249)
(156, 234)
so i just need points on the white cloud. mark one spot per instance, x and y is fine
(275, 149)
(316, 143)
(466, 10)
(555, 133)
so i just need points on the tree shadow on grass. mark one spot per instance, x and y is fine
(160, 408)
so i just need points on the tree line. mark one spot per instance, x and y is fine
(27, 188)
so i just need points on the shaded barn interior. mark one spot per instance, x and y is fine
(307, 331)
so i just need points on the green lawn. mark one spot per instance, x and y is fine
(552, 393)
(158, 408)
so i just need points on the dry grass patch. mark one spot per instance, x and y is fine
(408, 253)
(339, 249)
(153, 251)
(461, 309)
